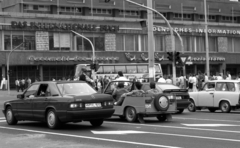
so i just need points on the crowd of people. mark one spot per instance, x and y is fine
(22, 84)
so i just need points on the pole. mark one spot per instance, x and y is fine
(93, 50)
(151, 50)
(206, 39)
(8, 57)
(172, 36)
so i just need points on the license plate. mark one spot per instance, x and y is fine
(178, 97)
(93, 105)
(148, 106)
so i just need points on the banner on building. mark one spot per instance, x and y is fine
(42, 40)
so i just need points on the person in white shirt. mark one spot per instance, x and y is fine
(121, 77)
(194, 80)
(229, 77)
(161, 80)
(181, 82)
(169, 80)
(219, 77)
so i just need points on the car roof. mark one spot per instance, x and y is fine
(58, 82)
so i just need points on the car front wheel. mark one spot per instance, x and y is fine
(52, 119)
(11, 120)
(191, 106)
(131, 114)
(225, 107)
(97, 122)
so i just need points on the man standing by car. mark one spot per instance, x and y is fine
(121, 77)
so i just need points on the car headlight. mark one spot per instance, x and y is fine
(73, 105)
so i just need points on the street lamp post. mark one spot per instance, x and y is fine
(206, 39)
(8, 57)
(171, 32)
(93, 50)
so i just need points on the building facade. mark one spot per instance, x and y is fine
(49, 49)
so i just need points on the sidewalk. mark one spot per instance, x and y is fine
(12, 93)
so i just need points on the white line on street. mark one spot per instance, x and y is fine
(155, 133)
(93, 138)
(205, 119)
(176, 127)
(2, 118)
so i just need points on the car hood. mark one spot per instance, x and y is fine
(93, 98)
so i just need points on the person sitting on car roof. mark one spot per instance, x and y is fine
(136, 93)
(153, 89)
(118, 92)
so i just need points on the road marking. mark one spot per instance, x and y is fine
(119, 132)
(3, 121)
(209, 125)
(3, 118)
(168, 134)
(92, 138)
(205, 119)
(175, 127)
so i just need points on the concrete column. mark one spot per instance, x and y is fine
(41, 72)
(3, 71)
(195, 69)
(2, 39)
(169, 69)
(222, 68)
(75, 42)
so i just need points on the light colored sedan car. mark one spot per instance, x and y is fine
(217, 94)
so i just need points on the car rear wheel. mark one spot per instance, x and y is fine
(97, 122)
(11, 120)
(225, 107)
(161, 117)
(212, 110)
(180, 111)
(161, 103)
(52, 119)
(191, 106)
(130, 114)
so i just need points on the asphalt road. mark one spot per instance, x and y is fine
(201, 129)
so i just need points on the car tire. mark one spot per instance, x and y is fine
(11, 120)
(161, 118)
(180, 111)
(225, 107)
(161, 103)
(191, 106)
(131, 114)
(97, 122)
(212, 110)
(52, 119)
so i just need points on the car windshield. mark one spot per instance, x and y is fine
(167, 86)
(76, 89)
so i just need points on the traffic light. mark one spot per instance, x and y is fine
(94, 66)
(170, 56)
(178, 58)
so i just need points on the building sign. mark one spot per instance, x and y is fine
(110, 42)
(64, 26)
(198, 30)
(70, 59)
(144, 57)
(61, 40)
(42, 40)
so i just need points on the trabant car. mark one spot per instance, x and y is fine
(59, 102)
(161, 105)
(217, 94)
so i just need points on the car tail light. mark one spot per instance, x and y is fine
(108, 103)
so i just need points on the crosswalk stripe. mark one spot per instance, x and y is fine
(3, 118)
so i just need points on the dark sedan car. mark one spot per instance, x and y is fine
(181, 95)
(59, 102)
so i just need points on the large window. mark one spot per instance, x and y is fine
(98, 41)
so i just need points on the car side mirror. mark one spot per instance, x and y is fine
(20, 96)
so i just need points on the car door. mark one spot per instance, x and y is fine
(24, 107)
(40, 102)
(206, 95)
(226, 91)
